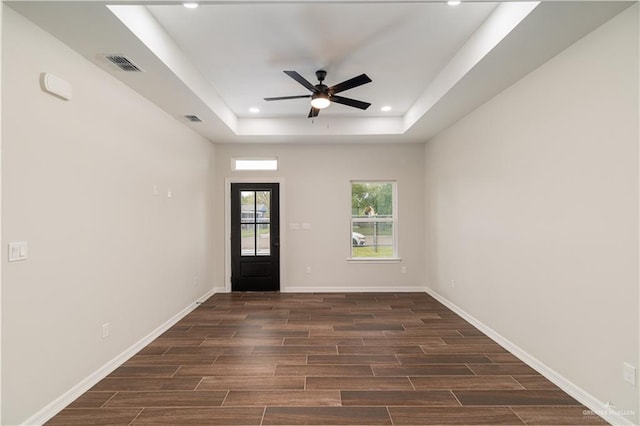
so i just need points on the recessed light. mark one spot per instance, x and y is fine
(385, 108)
(453, 2)
(190, 5)
(254, 110)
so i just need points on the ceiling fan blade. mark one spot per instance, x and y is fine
(313, 112)
(300, 79)
(350, 102)
(280, 98)
(350, 84)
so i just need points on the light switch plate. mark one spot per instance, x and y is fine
(18, 251)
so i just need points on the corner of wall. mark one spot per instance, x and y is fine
(46, 413)
(594, 404)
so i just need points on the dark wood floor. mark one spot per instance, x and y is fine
(324, 359)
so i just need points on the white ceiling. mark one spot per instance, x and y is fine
(432, 63)
(242, 49)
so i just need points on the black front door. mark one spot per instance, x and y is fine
(255, 237)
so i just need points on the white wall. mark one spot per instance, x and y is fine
(77, 184)
(533, 211)
(317, 191)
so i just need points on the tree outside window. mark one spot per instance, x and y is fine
(373, 219)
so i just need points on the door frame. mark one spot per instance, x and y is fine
(227, 225)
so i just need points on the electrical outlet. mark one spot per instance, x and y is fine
(453, 283)
(629, 373)
(308, 270)
(105, 330)
(195, 281)
(404, 270)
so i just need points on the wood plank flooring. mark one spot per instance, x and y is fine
(324, 359)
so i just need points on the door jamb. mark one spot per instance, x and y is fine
(227, 225)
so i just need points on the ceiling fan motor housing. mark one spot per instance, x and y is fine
(322, 88)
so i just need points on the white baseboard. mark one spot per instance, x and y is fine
(353, 289)
(339, 289)
(610, 414)
(72, 394)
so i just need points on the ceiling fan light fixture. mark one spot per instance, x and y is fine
(320, 100)
(322, 96)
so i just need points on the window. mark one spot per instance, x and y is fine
(255, 213)
(240, 164)
(373, 220)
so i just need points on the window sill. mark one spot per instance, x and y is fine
(374, 260)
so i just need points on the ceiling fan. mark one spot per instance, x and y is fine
(322, 95)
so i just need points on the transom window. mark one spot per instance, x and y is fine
(251, 164)
(373, 220)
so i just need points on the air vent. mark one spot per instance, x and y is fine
(193, 118)
(123, 63)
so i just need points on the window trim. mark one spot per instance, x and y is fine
(395, 258)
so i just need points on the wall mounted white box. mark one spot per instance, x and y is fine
(17, 251)
(56, 86)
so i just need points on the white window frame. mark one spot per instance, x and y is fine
(395, 258)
